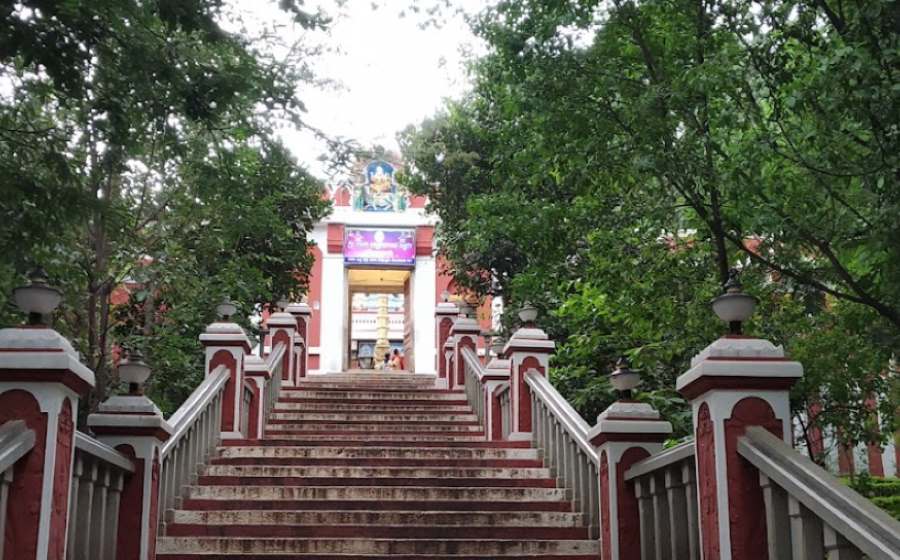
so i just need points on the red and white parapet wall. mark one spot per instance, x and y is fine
(734, 383)
(41, 382)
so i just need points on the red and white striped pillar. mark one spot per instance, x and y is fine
(625, 433)
(135, 427)
(445, 313)
(256, 375)
(464, 333)
(227, 345)
(528, 349)
(41, 381)
(496, 375)
(301, 313)
(735, 382)
(282, 328)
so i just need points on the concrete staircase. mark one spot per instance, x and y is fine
(359, 466)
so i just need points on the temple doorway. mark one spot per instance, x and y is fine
(379, 312)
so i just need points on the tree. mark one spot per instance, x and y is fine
(613, 162)
(138, 139)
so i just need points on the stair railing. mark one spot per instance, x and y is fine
(273, 386)
(809, 513)
(666, 490)
(475, 392)
(504, 397)
(98, 476)
(561, 435)
(196, 431)
(16, 439)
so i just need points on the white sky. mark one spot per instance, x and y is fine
(389, 71)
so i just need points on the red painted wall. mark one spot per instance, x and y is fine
(131, 504)
(629, 520)
(746, 514)
(706, 480)
(20, 536)
(315, 299)
(225, 358)
(253, 413)
(62, 477)
(606, 530)
(525, 393)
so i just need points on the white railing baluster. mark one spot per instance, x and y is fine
(806, 531)
(678, 529)
(77, 470)
(660, 516)
(688, 476)
(778, 522)
(837, 548)
(98, 475)
(668, 497)
(827, 519)
(85, 511)
(561, 435)
(113, 502)
(646, 517)
(98, 515)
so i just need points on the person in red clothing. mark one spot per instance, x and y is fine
(397, 361)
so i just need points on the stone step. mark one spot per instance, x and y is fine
(381, 418)
(349, 438)
(280, 442)
(350, 393)
(251, 556)
(375, 472)
(386, 424)
(368, 373)
(406, 531)
(487, 519)
(380, 452)
(396, 408)
(392, 481)
(374, 493)
(382, 386)
(479, 548)
(437, 403)
(377, 462)
(382, 505)
(329, 427)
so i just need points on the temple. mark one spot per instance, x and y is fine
(376, 250)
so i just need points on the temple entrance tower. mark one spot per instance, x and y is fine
(375, 248)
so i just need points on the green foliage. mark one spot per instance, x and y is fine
(611, 163)
(884, 492)
(137, 147)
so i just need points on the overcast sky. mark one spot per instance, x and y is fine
(390, 71)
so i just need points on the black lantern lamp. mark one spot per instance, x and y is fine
(134, 371)
(528, 314)
(497, 344)
(734, 306)
(38, 298)
(624, 379)
(226, 309)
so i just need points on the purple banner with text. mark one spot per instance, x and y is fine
(370, 246)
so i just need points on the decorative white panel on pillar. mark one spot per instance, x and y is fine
(227, 345)
(282, 327)
(41, 380)
(528, 348)
(734, 383)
